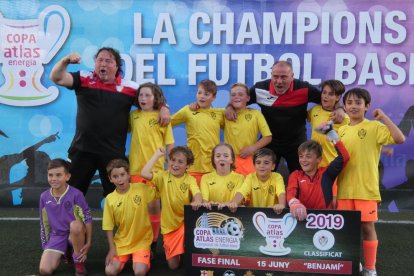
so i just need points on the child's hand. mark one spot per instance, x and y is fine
(193, 106)
(246, 152)
(338, 115)
(230, 113)
(232, 206)
(278, 208)
(164, 116)
(111, 254)
(160, 152)
(195, 205)
(327, 129)
(378, 114)
(297, 209)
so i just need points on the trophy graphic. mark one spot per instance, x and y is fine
(25, 45)
(275, 231)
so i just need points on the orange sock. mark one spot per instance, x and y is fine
(370, 253)
(155, 223)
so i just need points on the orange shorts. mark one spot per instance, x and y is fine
(197, 176)
(141, 256)
(139, 179)
(244, 166)
(174, 243)
(368, 208)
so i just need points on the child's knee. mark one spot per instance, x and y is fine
(174, 262)
(110, 270)
(44, 270)
(77, 227)
(140, 271)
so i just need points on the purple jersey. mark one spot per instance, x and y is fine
(56, 214)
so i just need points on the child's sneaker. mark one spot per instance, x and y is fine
(80, 269)
(370, 272)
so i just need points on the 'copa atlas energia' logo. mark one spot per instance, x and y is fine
(218, 231)
(275, 231)
(25, 46)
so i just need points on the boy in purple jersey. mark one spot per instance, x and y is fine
(65, 221)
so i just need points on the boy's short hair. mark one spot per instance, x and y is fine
(117, 164)
(156, 91)
(233, 156)
(209, 86)
(311, 145)
(59, 163)
(239, 84)
(337, 86)
(264, 152)
(360, 93)
(184, 150)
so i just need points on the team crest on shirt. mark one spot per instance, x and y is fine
(362, 133)
(248, 117)
(152, 122)
(271, 190)
(213, 115)
(183, 187)
(137, 200)
(230, 185)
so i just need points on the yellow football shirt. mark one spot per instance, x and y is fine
(203, 134)
(174, 193)
(147, 137)
(316, 116)
(218, 188)
(360, 178)
(129, 212)
(244, 132)
(262, 194)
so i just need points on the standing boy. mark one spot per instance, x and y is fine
(242, 133)
(358, 187)
(65, 221)
(176, 188)
(203, 128)
(127, 209)
(332, 91)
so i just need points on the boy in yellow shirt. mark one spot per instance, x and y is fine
(264, 187)
(358, 187)
(332, 91)
(127, 209)
(202, 126)
(176, 188)
(242, 134)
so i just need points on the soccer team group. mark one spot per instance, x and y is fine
(338, 168)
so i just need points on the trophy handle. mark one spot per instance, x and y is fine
(289, 223)
(260, 222)
(54, 29)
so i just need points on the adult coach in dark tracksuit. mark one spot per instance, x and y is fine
(104, 101)
(284, 101)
